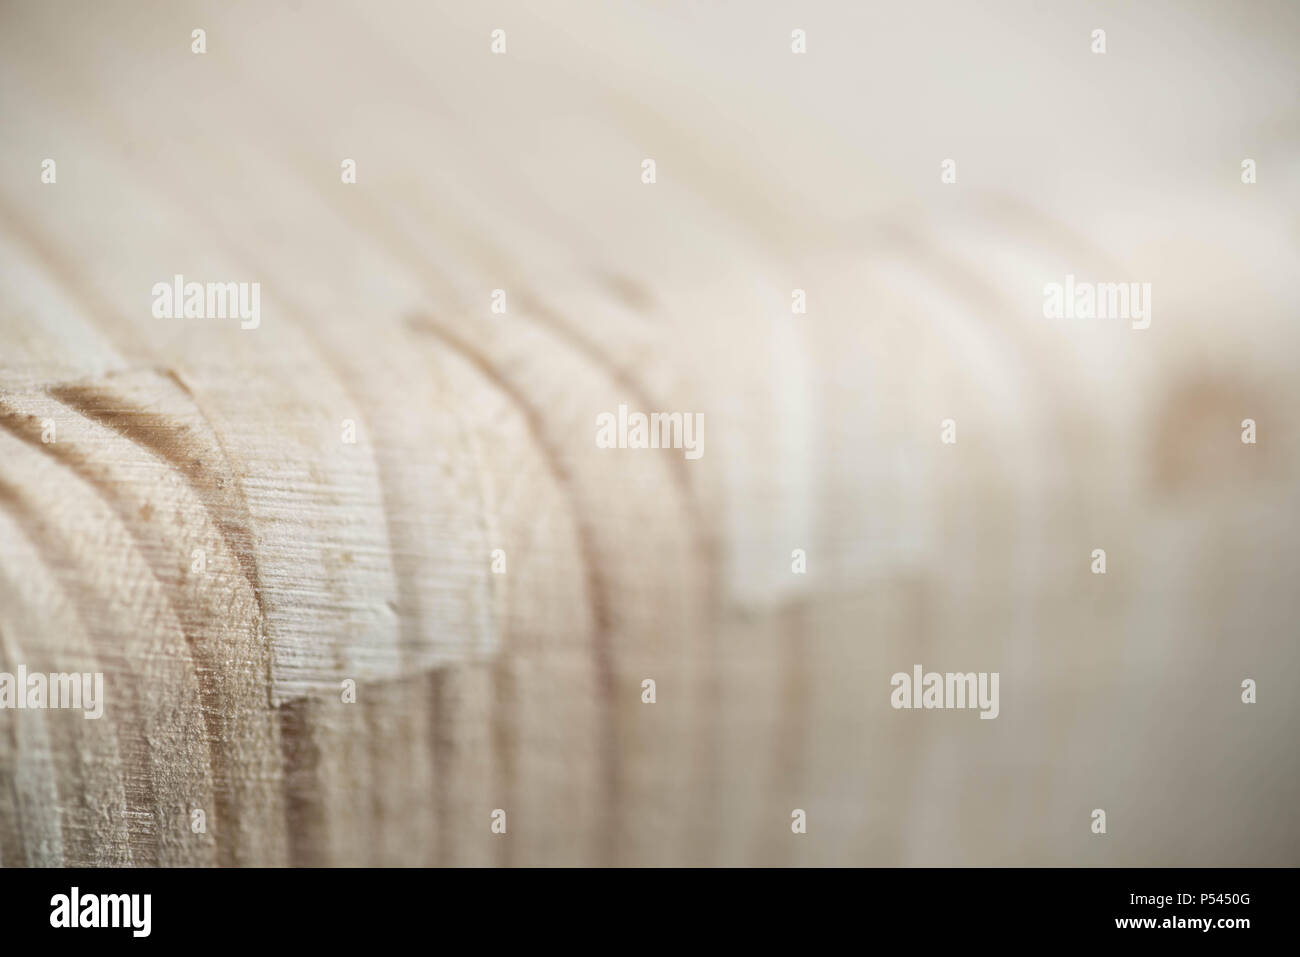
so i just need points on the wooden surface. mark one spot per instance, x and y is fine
(371, 561)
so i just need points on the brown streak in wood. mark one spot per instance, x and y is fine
(207, 664)
(597, 589)
(138, 790)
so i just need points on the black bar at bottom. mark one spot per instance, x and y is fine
(331, 908)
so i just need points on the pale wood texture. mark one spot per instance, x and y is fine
(522, 691)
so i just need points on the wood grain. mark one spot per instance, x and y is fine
(328, 561)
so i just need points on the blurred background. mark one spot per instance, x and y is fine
(522, 691)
